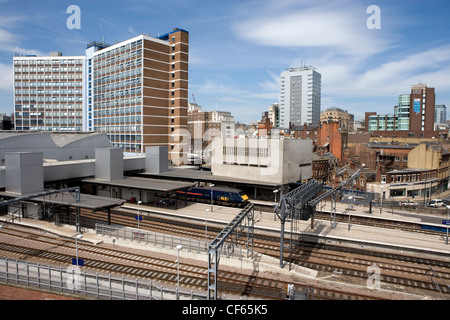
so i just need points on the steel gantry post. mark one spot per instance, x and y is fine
(216, 246)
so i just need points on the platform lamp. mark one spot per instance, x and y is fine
(381, 199)
(206, 225)
(350, 199)
(212, 186)
(138, 217)
(179, 247)
(76, 245)
(275, 193)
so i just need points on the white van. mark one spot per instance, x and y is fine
(436, 203)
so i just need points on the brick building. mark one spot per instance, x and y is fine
(332, 139)
(413, 117)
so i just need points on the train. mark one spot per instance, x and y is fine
(220, 196)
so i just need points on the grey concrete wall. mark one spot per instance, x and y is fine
(108, 163)
(24, 172)
(264, 160)
(156, 159)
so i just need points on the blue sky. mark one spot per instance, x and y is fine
(238, 49)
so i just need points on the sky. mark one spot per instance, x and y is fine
(238, 49)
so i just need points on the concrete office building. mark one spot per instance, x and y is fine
(141, 90)
(48, 93)
(135, 91)
(300, 97)
(280, 161)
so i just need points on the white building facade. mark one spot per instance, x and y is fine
(300, 97)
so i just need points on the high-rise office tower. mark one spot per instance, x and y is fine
(136, 91)
(48, 92)
(141, 91)
(300, 96)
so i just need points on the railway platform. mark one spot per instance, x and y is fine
(341, 230)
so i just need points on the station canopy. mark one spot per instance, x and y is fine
(148, 184)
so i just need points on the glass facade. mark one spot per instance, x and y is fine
(402, 112)
(117, 99)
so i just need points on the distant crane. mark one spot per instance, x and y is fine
(193, 97)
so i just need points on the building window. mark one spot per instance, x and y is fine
(383, 179)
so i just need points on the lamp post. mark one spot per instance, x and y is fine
(179, 247)
(138, 217)
(76, 245)
(382, 194)
(350, 199)
(275, 192)
(212, 186)
(206, 225)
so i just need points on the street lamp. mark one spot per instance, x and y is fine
(206, 225)
(212, 186)
(76, 245)
(179, 247)
(138, 217)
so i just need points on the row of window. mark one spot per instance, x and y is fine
(116, 120)
(118, 94)
(118, 85)
(52, 128)
(117, 111)
(124, 137)
(38, 99)
(33, 62)
(19, 107)
(51, 121)
(118, 102)
(65, 113)
(42, 84)
(47, 91)
(243, 151)
(409, 177)
(136, 128)
(54, 76)
(116, 68)
(48, 69)
(117, 76)
(119, 50)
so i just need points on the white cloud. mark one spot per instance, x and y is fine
(6, 77)
(340, 28)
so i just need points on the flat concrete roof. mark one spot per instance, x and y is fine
(143, 183)
(86, 201)
(203, 175)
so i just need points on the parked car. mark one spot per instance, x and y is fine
(436, 203)
(408, 203)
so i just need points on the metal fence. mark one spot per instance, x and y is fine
(72, 280)
(163, 240)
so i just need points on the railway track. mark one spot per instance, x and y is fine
(22, 244)
(399, 272)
